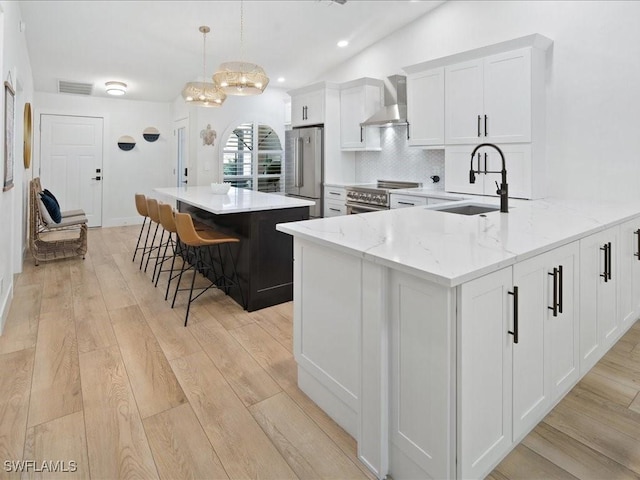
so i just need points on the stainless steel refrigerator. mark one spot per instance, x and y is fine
(304, 166)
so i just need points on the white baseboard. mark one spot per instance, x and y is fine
(122, 221)
(5, 305)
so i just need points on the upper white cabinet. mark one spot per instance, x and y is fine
(425, 107)
(359, 100)
(489, 99)
(308, 105)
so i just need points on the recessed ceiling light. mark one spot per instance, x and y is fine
(116, 88)
(280, 79)
(343, 43)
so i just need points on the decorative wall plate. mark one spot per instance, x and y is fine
(28, 136)
(126, 143)
(151, 134)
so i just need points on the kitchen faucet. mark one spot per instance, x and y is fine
(503, 189)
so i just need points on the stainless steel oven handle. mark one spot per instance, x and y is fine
(362, 208)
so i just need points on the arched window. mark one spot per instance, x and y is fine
(252, 158)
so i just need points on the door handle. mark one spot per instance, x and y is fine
(637, 254)
(296, 149)
(605, 249)
(560, 288)
(408, 137)
(609, 254)
(485, 126)
(301, 164)
(554, 308)
(478, 125)
(515, 315)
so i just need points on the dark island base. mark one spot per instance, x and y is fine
(264, 256)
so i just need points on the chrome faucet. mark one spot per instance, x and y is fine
(503, 189)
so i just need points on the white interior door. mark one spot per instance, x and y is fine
(71, 162)
(182, 149)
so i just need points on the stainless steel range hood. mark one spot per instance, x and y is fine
(394, 111)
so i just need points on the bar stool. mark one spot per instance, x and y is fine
(197, 242)
(141, 207)
(154, 216)
(168, 222)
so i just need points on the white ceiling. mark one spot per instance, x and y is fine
(155, 46)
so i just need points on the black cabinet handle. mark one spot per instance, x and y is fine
(637, 254)
(478, 125)
(96, 178)
(610, 263)
(515, 315)
(334, 193)
(485, 126)
(360, 134)
(406, 203)
(605, 249)
(485, 163)
(560, 285)
(334, 209)
(408, 137)
(555, 292)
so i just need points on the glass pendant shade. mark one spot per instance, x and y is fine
(203, 94)
(241, 78)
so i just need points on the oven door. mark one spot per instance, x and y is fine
(353, 208)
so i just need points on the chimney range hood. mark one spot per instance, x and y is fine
(394, 111)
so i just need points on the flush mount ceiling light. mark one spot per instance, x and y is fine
(203, 94)
(241, 78)
(116, 88)
(343, 43)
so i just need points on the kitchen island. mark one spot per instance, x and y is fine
(263, 255)
(440, 340)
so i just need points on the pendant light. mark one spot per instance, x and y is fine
(241, 78)
(203, 94)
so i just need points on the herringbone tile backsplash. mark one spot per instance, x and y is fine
(398, 161)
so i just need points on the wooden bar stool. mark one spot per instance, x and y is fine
(154, 216)
(141, 207)
(168, 222)
(197, 242)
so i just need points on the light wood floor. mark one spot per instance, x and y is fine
(96, 368)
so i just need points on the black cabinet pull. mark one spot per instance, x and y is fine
(605, 249)
(555, 292)
(485, 163)
(408, 137)
(515, 315)
(485, 126)
(637, 254)
(334, 209)
(560, 285)
(610, 263)
(406, 203)
(360, 134)
(478, 125)
(334, 193)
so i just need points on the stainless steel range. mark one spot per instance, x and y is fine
(374, 197)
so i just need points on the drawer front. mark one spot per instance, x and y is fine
(334, 209)
(434, 200)
(403, 201)
(335, 194)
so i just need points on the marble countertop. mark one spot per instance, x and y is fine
(235, 201)
(450, 249)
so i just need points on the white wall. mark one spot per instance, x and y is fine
(593, 126)
(124, 173)
(205, 161)
(13, 205)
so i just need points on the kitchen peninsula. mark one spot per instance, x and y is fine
(440, 340)
(264, 255)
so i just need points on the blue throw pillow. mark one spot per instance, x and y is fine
(52, 207)
(49, 194)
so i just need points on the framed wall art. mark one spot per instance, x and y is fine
(9, 132)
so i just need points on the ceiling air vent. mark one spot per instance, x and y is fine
(76, 88)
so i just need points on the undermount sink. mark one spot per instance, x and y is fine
(469, 209)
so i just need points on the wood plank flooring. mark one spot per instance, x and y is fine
(96, 368)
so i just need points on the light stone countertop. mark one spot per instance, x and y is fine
(450, 249)
(237, 200)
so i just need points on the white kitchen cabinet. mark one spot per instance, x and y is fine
(484, 372)
(334, 201)
(403, 201)
(490, 99)
(546, 357)
(425, 107)
(629, 299)
(599, 321)
(359, 100)
(308, 106)
(521, 173)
